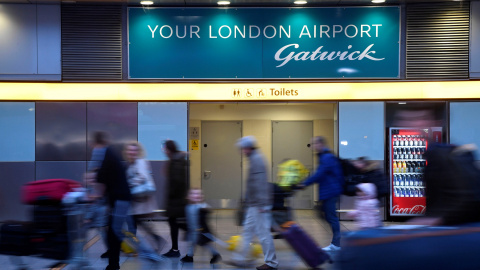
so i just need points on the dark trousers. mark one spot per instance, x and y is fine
(115, 236)
(113, 246)
(174, 226)
(329, 209)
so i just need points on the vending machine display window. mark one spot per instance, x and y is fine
(407, 165)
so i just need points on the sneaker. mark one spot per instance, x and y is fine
(187, 259)
(172, 254)
(332, 247)
(215, 258)
(112, 267)
(150, 256)
(266, 267)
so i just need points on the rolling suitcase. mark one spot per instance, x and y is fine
(15, 238)
(50, 191)
(305, 246)
(412, 247)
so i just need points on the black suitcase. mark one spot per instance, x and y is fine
(15, 238)
(49, 219)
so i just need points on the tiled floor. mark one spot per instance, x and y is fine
(222, 222)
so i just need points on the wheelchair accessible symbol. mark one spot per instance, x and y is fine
(249, 93)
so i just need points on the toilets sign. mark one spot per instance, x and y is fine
(270, 93)
(264, 43)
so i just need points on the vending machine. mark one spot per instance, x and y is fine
(407, 164)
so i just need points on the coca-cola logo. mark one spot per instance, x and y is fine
(416, 210)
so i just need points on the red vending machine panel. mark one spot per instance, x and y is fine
(407, 164)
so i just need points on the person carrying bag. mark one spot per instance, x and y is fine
(142, 188)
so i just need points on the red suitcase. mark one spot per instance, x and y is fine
(47, 191)
(305, 246)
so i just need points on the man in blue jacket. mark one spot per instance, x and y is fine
(329, 178)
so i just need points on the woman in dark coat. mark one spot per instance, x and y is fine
(176, 172)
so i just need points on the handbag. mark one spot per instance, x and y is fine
(141, 184)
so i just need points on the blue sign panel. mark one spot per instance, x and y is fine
(264, 43)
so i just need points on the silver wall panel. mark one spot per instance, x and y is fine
(18, 42)
(61, 131)
(17, 131)
(119, 119)
(49, 39)
(60, 169)
(13, 176)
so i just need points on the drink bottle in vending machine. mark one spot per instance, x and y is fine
(407, 148)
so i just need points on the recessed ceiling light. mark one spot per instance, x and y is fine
(378, 1)
(300, 2)
(146, 3)
(223, 3)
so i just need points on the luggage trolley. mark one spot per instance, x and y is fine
(56, 231)
(76, 235)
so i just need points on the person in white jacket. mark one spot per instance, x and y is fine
(366, 213)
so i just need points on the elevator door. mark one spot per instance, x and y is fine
(221, 163)
(291, 140)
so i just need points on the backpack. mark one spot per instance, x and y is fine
(353, 177)
(350, 177)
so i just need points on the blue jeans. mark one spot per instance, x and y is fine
(329, 208)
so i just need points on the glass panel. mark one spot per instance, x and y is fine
(361, 130)
(118, 119)
(61, 131)
(17, 136)
(465, 123)
(159, 121)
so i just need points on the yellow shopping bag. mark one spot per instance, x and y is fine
(291, 172)
(235, 243)
(129, 243)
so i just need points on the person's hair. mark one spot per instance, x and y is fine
(171, 146)
(100, 137)
(141, 151)
(320, 139)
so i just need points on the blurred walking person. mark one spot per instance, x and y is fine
(258, 203)
(451, 176)
(329, 178)
(366, 213)
(197, 222)
(176, 173)
(111, 175)
(142, 187)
